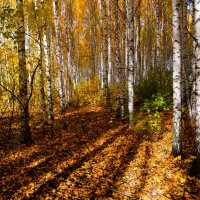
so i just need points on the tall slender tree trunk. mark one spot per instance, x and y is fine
(23, 90)
(123, 64)
(126, 38)
(193, 92)
(184, 58)
(70, 45)
(157, 33)
(131, 61)
(176, 131)
(109, 45)
(93, 35)
(139, 62)
(46, 48)
(147, 53)
(101, 44)
(197, 55)
(119, 67)
(105, 53)
(41, 57)
(62, 91)
(117, 57)
(48, 76)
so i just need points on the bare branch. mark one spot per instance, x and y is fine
(11, 92)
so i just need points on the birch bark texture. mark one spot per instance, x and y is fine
(197, 55)
(101, 44)
(131, 61)
(23, 75)
(176, 129)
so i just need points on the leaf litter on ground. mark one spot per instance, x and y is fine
(96, 157)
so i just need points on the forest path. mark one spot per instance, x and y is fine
(95, 157)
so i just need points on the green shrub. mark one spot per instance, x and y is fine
(153, 107)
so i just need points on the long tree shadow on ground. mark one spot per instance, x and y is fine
(15, 174)
(89, 182)
(74, 135)
(89, 160)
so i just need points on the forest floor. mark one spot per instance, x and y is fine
(95, 156)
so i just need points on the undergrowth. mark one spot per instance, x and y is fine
(86, 93)
(150, 114)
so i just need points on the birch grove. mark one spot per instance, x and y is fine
(60, 55)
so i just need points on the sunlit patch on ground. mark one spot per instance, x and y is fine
(96, 157)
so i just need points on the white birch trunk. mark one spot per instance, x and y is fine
(101, 46)
(109, 44)
(139, 63)
(47, 56)
(27, 46)
(176, 132)
(131, 61)
(47, 64)
(197, 55)
(157, 33)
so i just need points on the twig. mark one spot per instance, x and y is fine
(11, 92)
(32, 81)
(194, 38)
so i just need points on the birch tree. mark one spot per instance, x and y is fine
(193, 90)
(109, 44)
(62, 91)
(105, 52)
(47, 64)
(117, 59)
(131, 60)
(93, 34)
(101, 44)
(176, 129)
(139, 62)
(40, 31)
(157, 33)
(23, 90)
(197, 55)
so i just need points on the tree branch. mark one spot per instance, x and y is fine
(11, 92)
